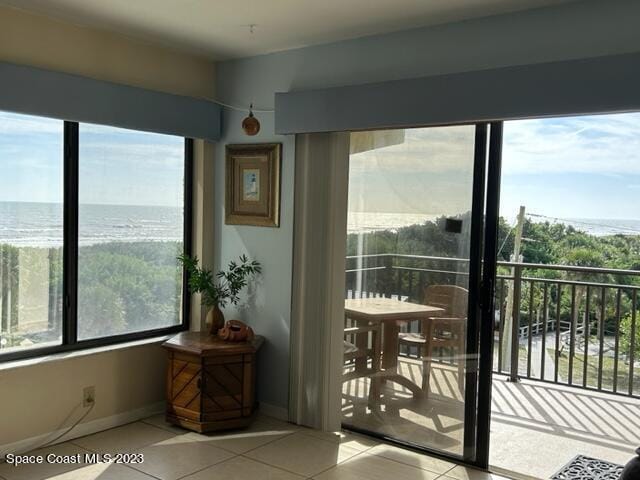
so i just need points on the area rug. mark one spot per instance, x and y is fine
(587, 468)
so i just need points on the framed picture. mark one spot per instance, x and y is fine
(253, 184)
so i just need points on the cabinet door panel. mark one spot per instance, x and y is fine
(222, 387)
(185, 385)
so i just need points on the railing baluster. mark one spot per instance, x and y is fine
(515, 324)
(632, 341)
(372, 276)
(365, 282)
(530, 335)
(501, 326)
(603, 312)
(545, 299)
(616, 347)
(572, 336)
(586, 329)
(410, 290)
(557, 352)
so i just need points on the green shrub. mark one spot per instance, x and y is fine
(626, 325)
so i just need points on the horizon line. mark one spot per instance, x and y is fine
(97, 204)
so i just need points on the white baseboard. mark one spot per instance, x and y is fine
(273, 411)
(87, 428)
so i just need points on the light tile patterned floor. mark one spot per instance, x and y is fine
(268, 450)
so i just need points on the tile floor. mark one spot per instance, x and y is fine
(269, 450)
(437, 421)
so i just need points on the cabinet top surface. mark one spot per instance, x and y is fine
(203, 343)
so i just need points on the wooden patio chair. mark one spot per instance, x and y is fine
(362, 347)
(444, 331)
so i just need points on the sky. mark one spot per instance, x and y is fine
(429, 172)
(572, 167)
(117, 166)
(578, 167)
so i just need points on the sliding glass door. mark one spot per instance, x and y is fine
(416, 214)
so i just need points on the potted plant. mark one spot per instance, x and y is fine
(219, 290)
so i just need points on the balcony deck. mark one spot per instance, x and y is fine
(536, 427)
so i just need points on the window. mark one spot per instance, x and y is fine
(31, 194)
(130, 231)
(92, 219)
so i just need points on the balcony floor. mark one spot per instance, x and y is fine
(536, 427)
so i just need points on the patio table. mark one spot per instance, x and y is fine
(391, 313)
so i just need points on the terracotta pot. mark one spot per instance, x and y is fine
(215, 318)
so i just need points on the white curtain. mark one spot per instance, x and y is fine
(322, 168)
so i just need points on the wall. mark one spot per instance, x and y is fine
(268, 306)
(38, 398)
(570, 31)
(573, 30)
(42, 398)
(42, 42)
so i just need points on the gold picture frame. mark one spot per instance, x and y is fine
(252, 194)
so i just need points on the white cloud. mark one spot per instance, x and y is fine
(116, 165)
(603, 144)
(142, 155)
(429, 173)
(435, 150)
(17, 124)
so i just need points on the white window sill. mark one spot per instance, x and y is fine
(57, 357)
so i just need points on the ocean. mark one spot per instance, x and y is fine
(40, 224)
(359, 222)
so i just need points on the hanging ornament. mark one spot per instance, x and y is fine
(250, 124)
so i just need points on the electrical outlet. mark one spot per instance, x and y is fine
(88, 396)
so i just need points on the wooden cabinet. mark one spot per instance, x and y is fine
(210, 382)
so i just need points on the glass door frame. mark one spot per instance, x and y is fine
(480, 322)
(486, 298)
(482, 274)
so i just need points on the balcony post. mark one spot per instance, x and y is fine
(388, 276)
(515, 326)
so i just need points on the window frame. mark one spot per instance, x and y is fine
(70, 208)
